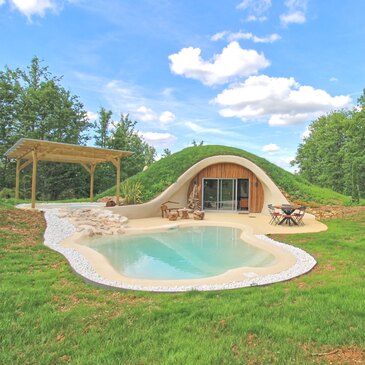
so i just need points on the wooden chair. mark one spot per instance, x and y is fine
(298, 216)
(275, 216)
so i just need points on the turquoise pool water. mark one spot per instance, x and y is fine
(180, 253)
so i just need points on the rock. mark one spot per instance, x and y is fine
(110, 203)
(198, 215)
(173, 216)
(96, 221)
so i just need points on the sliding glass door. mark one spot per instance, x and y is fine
(210, 194)
(227, 195)
(220, 194)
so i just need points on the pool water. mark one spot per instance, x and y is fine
(180, 253)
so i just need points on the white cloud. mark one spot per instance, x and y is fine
(271, 148)
(167, 92)
(297, 17)
(285, 163)
(197, 128)
(156, 138)
(121, 96)
(2, 2)
(296, 12)
(166, 117)
(219, 36)
(254, 18)
(334, 79)
(245, 36)
(255, 7)
(146, 114)
(34, 7)
(281, 101)
(306, 133)
(226, 66)
(268, 39)
(91, 116)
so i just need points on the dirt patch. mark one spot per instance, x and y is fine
(341, 355)
(127, 299)
(251, 339)
(333, 211)
(67, 303)
(29, 225)
(302, 285)
(324, 268)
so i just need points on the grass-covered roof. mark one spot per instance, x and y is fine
(161, 174)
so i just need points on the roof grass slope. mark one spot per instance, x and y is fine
(166, 171)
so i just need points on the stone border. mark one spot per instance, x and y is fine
(58, 229)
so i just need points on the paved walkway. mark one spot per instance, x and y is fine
(257, 221)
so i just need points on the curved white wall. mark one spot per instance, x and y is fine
(179, 190)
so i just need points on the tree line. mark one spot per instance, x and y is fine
(333, 154)
(33, 104)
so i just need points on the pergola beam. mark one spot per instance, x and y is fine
(25, 164)
(85, 167)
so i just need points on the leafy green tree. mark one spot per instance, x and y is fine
(120, 135)
(33, 104)
(102, 128)
(166, 152)
(124, 136)
(195, 143)
(149, 153)
(332, 155)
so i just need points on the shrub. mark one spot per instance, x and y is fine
(7, 193)
(131, 192)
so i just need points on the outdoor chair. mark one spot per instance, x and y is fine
(298, 216)
(166, 211)
(275, 216)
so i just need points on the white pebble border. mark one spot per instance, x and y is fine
(59, 229)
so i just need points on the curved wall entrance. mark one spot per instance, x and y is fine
(228, 187)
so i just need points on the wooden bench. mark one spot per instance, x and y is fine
(165, 210)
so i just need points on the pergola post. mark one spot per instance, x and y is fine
(92, 170)
(116, 163)
(17, 179)
(34, 178)
(118, 181)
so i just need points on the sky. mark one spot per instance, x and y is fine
(251, 74)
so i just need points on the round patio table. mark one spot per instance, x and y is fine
(288, 210)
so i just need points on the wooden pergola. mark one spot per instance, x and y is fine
(27, 151)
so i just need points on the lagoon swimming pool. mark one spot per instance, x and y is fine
(181, 253)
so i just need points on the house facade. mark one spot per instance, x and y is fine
(223, 183)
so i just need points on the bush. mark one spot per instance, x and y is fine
(131, 192)
(7, 193)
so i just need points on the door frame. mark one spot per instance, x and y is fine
(219, 190)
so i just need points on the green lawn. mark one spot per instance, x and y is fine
(51, 316)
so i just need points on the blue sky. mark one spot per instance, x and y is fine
(246, 73)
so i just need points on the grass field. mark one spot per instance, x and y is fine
(51, 316)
